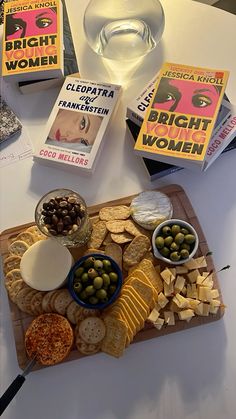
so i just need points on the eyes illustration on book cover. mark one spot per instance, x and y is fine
(76, 128)
(31, 23)
(186, 97)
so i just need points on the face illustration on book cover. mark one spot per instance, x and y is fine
(186, 97)
(74, 130)
(31, 23)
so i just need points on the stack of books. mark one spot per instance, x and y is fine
(182, 119)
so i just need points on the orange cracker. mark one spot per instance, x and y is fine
(138, 301)
(148, 268)
(144, 290)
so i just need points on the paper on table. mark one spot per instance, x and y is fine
(16, 149)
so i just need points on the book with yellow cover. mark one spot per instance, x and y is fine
(32, 40)
(180, 119)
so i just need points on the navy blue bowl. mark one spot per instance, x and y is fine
(71, 277)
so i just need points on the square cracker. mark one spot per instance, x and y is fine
(142, 307)
(152, 274)
(144, 290)
(115, 338)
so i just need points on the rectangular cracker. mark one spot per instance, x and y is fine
(115, 338)
(136, 250)
(98, 235)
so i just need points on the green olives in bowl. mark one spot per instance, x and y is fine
(95, 281)
(175, 241)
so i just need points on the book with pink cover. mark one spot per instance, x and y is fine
(32, 40)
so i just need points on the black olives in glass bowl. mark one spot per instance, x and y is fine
(175, 241)
(95, 281)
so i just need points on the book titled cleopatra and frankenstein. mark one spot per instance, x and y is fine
(32, 40)
(78, 123)
(180, 120)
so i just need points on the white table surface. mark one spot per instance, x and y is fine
(187, 375)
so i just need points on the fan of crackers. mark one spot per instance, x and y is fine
(149, 293)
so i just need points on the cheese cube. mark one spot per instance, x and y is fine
(192, 276)
(179, 283)
(184, 291)
(208, 282)
(153, 316)
(200, 279)
(193, 303)
(213, 310)
(181, 269)
(168, 289)
(158, 323)
(204, 293)
(186, 314)
(214, 293)
(162, 300)
(199, 309)
(173, 271)
(173, 307)
(180, 301)
(206, 309)
(167, 276)
(201, 262)
(169, 318)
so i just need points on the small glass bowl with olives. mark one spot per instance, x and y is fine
(95, 281)
(175, 241)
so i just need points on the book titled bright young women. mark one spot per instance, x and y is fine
(32, 40)
(182, 114)
(77, 125)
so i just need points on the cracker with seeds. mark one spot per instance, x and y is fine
(23, 299)
(11, 262)
(98, 235)
(118, 212)
(134, 229)
(115, 252)
(121, 238)
(16, 286)
(116, 226)
(18, 247)
(61, 301)
(36, 303)
(72, 311)
(11, 277)
(46, 301)
(115, 339)
(38, 235)
(136, 250)
(27, 237)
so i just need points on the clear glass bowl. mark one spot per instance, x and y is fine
(62, 214)
(123, 29)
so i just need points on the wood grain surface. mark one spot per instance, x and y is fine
(182, 209)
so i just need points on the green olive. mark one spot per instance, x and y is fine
(175, 229)
(79, 271)
(166, 230)
(184, 230)
(189, 238)
(106, 280)
(159, 242)
(185, 246)
(113, 276)
(78, 287)
(168, 240)
(175, 256)
(179, 238)
(93, 300)
(83, 296)
(90, 290)
(174, 246)
(107, 265)
(88, 263)
(92, 273)
(98, 282)
(98, 264)
(165, 252)
(101, 294)
(84, 277)
(184, 253)
(112, 289)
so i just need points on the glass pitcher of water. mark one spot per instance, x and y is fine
(123, 29)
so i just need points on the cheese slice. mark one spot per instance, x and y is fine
(45, 265)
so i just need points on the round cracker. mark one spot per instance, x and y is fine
(27, 237)
(118, 212)
(10, 263)
(18, 247)
(86, 312)
(116, 226)
(36, 303)
(73, 311)
(16, 286)
(92, 330)
(49, 338)
(46, 301)
(62, 300)
(11, 277)
(86, 348)
(23, 299)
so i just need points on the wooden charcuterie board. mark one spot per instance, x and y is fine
(182, 209)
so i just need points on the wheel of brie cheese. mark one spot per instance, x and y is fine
(45, 265)
(150, 208)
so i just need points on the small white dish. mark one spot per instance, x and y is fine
(182, 224)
